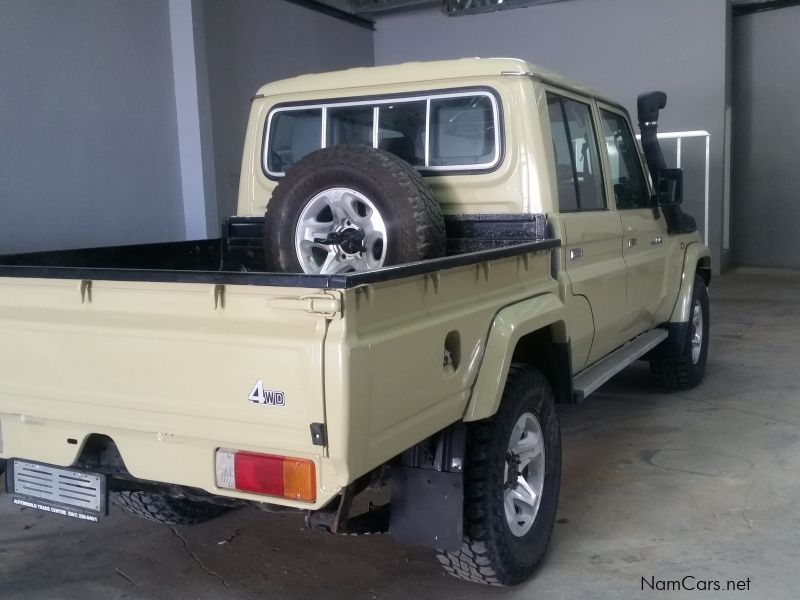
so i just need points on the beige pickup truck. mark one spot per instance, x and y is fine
(450, 250)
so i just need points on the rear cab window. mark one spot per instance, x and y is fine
(439, 132)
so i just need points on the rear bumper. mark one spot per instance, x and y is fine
(156, 457)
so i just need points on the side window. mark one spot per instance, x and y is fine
(294, 134)
(630, 189)
(350, 125)
(401, 130)
(565, 176)
(462, 131)
(578, 175)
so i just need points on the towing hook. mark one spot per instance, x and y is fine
(349, 240)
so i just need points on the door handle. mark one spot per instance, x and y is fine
(576, 253)
(632, 242)
(656, 240)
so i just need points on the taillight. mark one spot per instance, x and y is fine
(280, 476)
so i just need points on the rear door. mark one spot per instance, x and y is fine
(592, 253)
(644, 235)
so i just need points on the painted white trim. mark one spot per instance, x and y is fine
(427, 132)
(376, 117)
(184, 71)
(323, 143)
(672, 135)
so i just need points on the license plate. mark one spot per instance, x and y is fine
(67, 492)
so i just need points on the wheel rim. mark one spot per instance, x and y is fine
(697, 331)
(340, 230)
(524, 474)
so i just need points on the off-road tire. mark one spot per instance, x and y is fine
(413, 216)
(680, 372)
(165, 509)
(490, 553)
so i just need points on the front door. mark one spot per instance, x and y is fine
(644, 233)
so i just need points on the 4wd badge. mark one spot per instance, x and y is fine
(258, 395)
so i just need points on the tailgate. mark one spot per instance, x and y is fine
(160, 365)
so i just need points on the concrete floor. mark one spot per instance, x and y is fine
(703, 483)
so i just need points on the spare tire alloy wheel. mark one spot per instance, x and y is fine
(339, 230)
(351, 208)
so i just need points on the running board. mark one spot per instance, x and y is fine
(588, 380)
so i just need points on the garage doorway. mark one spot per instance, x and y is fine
(766, 138)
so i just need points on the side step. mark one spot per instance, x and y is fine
(588, 380)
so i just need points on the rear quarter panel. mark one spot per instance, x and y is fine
(387, 355)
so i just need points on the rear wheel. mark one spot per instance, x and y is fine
(164, 509)
(511, 485)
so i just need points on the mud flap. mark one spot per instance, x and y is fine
(427, 507)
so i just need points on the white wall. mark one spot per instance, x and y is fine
(621, 47)
(122, 121)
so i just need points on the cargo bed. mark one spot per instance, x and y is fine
(236, 257)
(156, 350)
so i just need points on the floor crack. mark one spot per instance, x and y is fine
(738, 410)
(746, 506)
(124, 576)
(202, 566)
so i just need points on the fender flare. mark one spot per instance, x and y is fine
(508, 327)
(697, 254)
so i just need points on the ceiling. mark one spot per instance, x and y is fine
(369, 7)
(373, 7)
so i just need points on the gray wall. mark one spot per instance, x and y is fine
(90, 133)
(766, 182)
(621, 47)
(251, 42)
(87, 125)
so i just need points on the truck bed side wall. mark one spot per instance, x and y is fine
(397, 389)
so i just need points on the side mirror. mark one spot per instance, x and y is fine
(669, 191)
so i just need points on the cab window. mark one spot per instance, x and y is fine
(578, 175)
(449, 132)
(627, 177)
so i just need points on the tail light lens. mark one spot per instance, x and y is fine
(280, 476)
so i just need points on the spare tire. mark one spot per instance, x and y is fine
(351, 208)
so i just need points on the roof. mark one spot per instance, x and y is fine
(418, 72)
